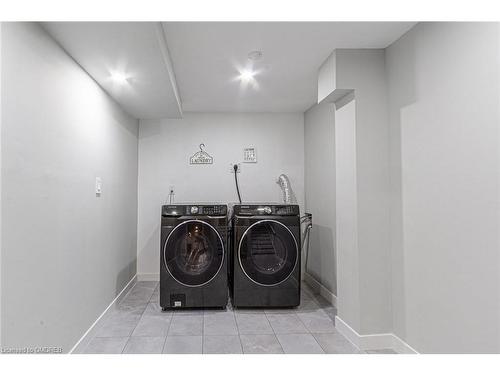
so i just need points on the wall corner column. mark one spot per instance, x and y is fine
(355, 81)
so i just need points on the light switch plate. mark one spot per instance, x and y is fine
(249, 155)
(98, 185)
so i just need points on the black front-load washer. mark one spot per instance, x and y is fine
(265, 256)
(193, 271)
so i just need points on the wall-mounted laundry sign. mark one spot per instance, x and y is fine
(201, 157)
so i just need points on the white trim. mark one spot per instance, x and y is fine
(88, 335)
(148, 277)
(320, 288)
(162, 43)
(373, 341)
(399, 346)
(346, 330)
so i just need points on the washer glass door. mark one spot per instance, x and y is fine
(193, 253)
(268, 252)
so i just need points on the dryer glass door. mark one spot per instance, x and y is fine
(194, 253)
(268, 252)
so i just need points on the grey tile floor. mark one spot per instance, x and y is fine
(138, 326)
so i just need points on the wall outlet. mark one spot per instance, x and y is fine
(231, 167)
(171, 194)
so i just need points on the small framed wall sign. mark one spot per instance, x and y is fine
(249, 155)
(201, 157)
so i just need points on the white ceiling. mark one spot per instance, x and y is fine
(197, 63)
(206, 57)
(136, 49)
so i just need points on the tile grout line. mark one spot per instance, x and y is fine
(203, 334)
(237, 326)
(224, 335)
(168, 330)
(165, 341)
(317, 342)
(239, 333)
(314, 337)
(238, 330)
(275, 334)
(170, 322)
(147, 303)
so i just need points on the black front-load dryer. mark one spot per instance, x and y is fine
(265, 257)
(193, 271)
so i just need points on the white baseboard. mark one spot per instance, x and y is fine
(148, 277)
(374, 341)
(90, 333)
(320, 288)
(399, 346)
(363, 342)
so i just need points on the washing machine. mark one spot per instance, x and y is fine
(265, 255)
(193, 270)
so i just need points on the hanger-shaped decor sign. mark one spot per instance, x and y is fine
(201, 157)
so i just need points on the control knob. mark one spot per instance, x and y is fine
(194, 209)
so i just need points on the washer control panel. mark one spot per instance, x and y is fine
(215, 210)
(266, 210)
(194, 210)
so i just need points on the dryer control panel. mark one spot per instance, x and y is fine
(266, 210)
(194, 210)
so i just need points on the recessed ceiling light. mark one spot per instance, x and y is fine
(246, 75)
(119, 78)
(255, 55)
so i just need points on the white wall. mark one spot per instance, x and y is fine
(1, 26)
(65, 252)
(364, 72)
(319, 149)
(166, 145)
(348, 279)
(444, 115)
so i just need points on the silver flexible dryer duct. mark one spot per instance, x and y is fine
(286, 187)
(307, 221)
(289, 198)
